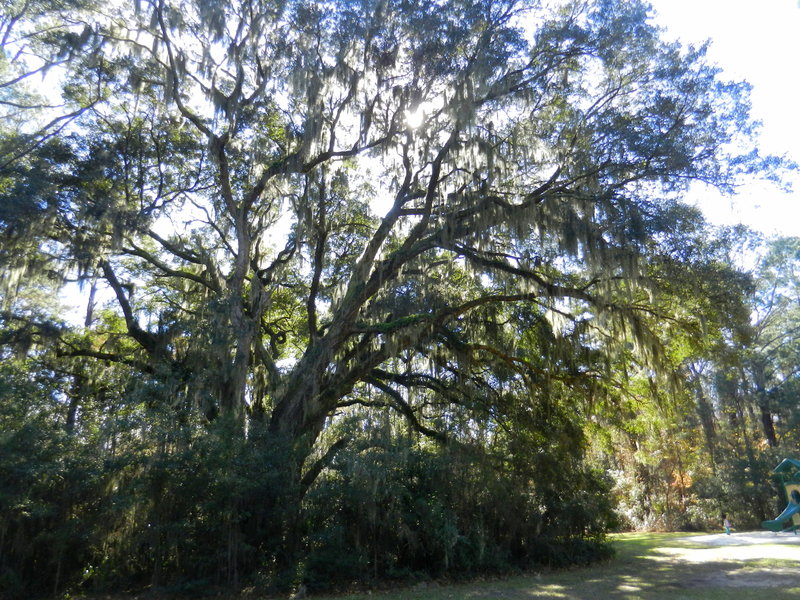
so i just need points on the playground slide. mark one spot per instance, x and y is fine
(777, 524)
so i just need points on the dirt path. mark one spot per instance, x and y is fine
(742, 566)
(747, 538)
(760, 559)
(757, 565)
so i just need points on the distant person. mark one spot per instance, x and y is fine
(726, 523)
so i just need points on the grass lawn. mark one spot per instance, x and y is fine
(752, 566)
(657, 566)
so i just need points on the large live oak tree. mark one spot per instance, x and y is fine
(301, 206)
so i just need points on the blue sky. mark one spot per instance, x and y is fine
(760, 43)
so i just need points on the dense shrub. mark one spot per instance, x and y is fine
(404, 511)
(189, 508)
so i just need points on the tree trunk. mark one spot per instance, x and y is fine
(768, 426)
(705, 412)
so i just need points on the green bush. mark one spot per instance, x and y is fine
(406, 512)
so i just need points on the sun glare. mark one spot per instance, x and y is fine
(416, 117)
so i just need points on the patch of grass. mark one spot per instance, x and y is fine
(647, 567)
(643, 569)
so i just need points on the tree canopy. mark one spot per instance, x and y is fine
(512, 171)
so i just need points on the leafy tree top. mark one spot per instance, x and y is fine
(528, 160)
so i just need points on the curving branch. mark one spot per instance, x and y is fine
(169, 271)
(147, 340)
(321, 463)
(404, 408)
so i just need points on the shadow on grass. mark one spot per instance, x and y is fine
(647, 566)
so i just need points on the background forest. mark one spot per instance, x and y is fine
(373, 290)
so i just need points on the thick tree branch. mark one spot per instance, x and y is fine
(106, 356)
(399, 403)
(321, 463)
(146, 339)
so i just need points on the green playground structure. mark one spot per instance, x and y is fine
(788, 473)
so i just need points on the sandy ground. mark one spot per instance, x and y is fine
(743, 539)
(733, 560)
